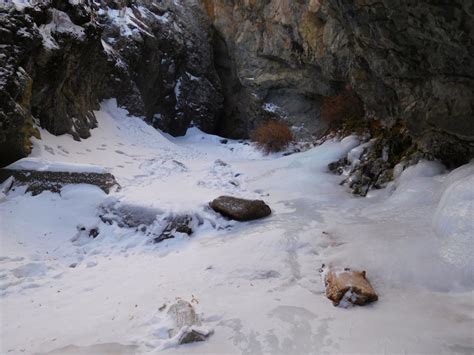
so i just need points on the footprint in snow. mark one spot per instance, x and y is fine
(49, 149)
(61, 148)
(29, 270)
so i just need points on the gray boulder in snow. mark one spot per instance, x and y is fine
(188, 327)
(240, 209)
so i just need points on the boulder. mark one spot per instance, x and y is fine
(188, 327)
(347, 287)
(240, 209)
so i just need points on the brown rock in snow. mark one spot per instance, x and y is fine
(240, 209)
(348, 286)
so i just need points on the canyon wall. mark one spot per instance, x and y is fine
(411, 62)
(227, 65)
(59, 59)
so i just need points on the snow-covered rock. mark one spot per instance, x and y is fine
(188, 328)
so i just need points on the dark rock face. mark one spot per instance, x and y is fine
(414, 61)
(59, 60)
(16, 125)
(240, 209)
(53, 73)
(266, 65)
(411, 63)
(164, 57)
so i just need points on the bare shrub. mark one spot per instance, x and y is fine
(272, 136)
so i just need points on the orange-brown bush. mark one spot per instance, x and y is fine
(342, 107)
(272, 136)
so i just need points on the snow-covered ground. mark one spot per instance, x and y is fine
(257, 284)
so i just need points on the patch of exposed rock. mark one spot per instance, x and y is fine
(176, 224)
(240, 209)
(153, 222)
(375, 163)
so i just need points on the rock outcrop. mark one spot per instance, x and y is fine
(227, 65)
(267, 57)
(240, 209)
(59, 59)
(411, 63)
(39, 181)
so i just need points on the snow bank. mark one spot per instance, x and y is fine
(417, 184)
(453, 221)
(40, 164)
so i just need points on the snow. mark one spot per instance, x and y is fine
(127, 22)
(61, 23)
(177, 91)
(454, 221)
(256, 284)
(270, 107)
(41, 164)
(19, 5)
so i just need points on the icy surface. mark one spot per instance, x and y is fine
(256, 284)
(454, 221)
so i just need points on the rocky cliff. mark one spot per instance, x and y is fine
(411, 63)
(226, 65)
(60, 58)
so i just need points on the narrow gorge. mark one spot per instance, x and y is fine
(200, 176)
